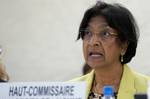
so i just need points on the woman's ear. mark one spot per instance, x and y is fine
(124, 47)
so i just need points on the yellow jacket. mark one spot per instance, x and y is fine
(131, 83)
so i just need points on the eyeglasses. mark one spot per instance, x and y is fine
(105, 34)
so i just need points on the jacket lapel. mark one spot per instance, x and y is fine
(127, 89)
(89, 82)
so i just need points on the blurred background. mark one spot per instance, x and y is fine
(38, 38)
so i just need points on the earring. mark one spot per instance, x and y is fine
(122, 54)
(121, 58)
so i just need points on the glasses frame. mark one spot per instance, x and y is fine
(103, 37)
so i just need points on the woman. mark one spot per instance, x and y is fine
(3, 75)
(110, 35)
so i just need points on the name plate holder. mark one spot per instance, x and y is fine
(43, 90)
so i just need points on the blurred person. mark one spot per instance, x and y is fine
(3, 74)
(110, 35)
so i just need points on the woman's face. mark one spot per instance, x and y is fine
(101, 46)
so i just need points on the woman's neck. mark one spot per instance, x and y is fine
(110, 75)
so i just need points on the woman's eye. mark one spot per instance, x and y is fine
(105, 34)
(87, 33)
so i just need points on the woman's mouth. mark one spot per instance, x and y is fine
(95, 55)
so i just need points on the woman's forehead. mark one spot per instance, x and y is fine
(97, 21)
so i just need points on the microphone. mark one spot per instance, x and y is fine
(140, 96)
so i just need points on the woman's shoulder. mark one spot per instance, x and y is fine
(81, 78)
(140, 76)
(141, 81)
(135, 74)
(84, 77)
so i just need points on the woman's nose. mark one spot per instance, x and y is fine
(94, 41)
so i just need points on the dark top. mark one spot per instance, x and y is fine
(93, 95)
(2, 80)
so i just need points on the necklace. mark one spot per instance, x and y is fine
(98, 87)
(96, 94)
(114, 82)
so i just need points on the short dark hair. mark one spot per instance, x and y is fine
(86, 69)
(119, 18)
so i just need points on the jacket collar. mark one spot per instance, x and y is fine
(126, 89)
(127, 85)
(89, 82)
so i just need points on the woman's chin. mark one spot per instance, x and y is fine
(95, 65)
